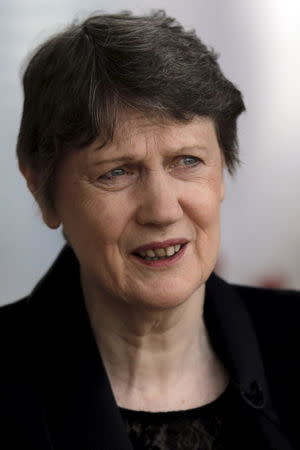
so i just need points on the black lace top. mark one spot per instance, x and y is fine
(222, 424)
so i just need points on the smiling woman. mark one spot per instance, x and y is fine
(130, 341)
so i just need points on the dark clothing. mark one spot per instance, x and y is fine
(223, 424)
(55, 393)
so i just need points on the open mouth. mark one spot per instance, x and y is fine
(157, 254)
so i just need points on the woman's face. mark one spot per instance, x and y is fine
(156, 182)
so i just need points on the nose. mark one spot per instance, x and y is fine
(159, 202)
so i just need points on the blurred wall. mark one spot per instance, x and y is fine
(259, 46)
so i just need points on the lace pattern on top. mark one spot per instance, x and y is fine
(219, 425)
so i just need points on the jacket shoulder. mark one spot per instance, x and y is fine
(12, 313)
(275, 315)
(14, 332)
(16, 305)
(271, 305)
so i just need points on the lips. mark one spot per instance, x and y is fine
(159, 245)
(161, 254)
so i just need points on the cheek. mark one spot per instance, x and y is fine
(103, 219)
(203, 204)
(205, 216)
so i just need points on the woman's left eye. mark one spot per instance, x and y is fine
(188, 161)
(114, 173)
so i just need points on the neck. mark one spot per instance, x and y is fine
(147, 352)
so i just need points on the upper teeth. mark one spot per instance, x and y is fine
(168, 251)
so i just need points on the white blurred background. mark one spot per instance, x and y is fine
(258, 42)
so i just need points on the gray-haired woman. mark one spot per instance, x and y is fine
(130, 341)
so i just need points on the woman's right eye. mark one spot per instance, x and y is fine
(112, 174)
(117, 178)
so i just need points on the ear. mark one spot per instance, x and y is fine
(49, 216)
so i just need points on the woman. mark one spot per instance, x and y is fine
(130, 341)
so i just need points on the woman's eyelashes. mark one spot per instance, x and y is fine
(188, 161)
(114, 173)
(121, 174)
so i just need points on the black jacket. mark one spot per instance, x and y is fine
(54, 391)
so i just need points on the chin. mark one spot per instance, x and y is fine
(163, 301)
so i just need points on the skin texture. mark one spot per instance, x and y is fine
(147, 321)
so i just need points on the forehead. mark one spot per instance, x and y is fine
(135, 131)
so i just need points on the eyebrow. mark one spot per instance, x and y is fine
(135, 159)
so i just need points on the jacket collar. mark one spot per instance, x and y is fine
(233, 338)
(73, 382)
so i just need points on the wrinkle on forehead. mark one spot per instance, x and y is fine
(132, 123)
(136, 128)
